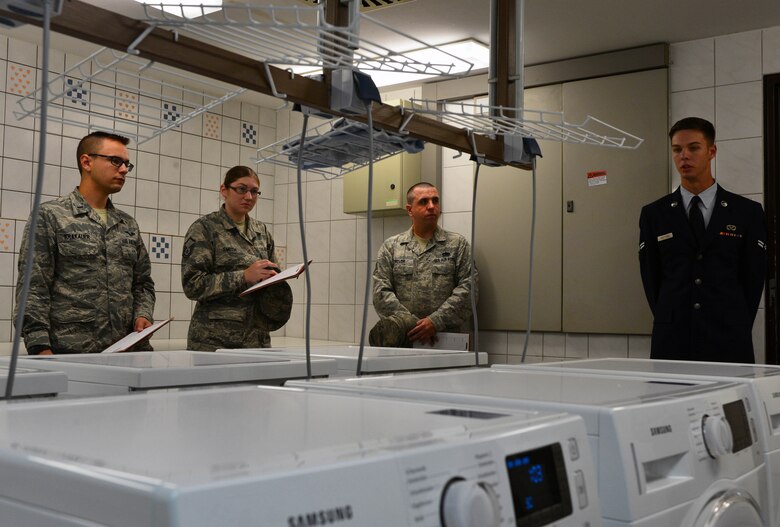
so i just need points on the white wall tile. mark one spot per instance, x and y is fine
(395, 225)
(740, 165)
(692, 64)
(317, 201)
(126, 196)
(457, 188)
(601, 346)
(191, 147)
(459, 222)
(169, 197)
(320, 282)
(343, 241)
(7, 299)
(576, 345)
(15, 205)
(146, 218)
(771, 50)
(554, 345)
(7, 269)
(231, 130)
(493, 342)
(185, 220)
(341, 323)
(738, 111)
(190, 200)
(639, 346)
(53, 149)
(377, 238)
(162, 306)
(318, 240)
(211, 152)
(693, 103)
(738, 58)
(170, 143)
(147, 194)
(22, 52)
(170, 170)
(292, 202)
(18, 143)
(190, 173)
(18, 175)
(181, 306)
(232, 108)
(516, 343)
(161, 274)
(176, 286)
(342, 283)
(229, 154)
(337, 201)
(168, 222)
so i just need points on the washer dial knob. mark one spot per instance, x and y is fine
(467, 503)
(717, 436)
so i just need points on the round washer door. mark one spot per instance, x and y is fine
(730, 508)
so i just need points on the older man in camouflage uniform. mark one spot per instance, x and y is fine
(91, 283)
(214, 258)
(422, 282)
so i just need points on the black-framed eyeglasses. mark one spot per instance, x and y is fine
(116, 161)
(241, 189)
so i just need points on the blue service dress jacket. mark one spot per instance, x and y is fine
(704, 299)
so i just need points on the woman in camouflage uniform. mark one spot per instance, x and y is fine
(224, 253)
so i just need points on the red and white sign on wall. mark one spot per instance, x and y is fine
(597, 177)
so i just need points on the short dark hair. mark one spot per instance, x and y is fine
(237, 172)
(92, 141)
(410, 192)
(694, 123)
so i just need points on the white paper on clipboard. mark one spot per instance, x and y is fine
(134, 338)
(291, 272)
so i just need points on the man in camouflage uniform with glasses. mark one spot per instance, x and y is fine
(91, 282)
(422, 280)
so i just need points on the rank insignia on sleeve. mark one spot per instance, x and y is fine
(188, 247)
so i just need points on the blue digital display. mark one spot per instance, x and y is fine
(539, 485)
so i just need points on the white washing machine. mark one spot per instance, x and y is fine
(669, 453)
(30, 382)
(378, 360)
(764, 384)
(118, 373)
(271, 456)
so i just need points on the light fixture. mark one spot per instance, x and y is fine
(204, 7)
(461, 55)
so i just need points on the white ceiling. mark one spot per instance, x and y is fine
(553, 29)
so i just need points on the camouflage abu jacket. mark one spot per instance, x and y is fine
(214, 257)
(432, 282)
(90, 281)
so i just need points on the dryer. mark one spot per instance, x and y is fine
(378, 360)
(669, 453)
(122, 373)
(31, 382)
(764, 389)
(276, 456)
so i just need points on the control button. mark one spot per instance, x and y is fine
(718, 439)
(697, 281)
(582, 493)
(574, 450)
(468, 503)
(697, 306)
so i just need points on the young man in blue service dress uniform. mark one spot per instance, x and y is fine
(702, 254)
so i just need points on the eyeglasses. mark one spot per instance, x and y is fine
(241, 189)
(116, 161)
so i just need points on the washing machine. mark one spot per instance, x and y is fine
(378, 360)
(764, 386)
(669, 453)
(31, 382)
(122, 373)
(272, 456)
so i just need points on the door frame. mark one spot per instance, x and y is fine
(771, 204)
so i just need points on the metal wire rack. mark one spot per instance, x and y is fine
(300, 36)
(337, 147)
(122, 93)
(523, 122)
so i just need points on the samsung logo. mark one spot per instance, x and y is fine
(658, 430)
(322, 517)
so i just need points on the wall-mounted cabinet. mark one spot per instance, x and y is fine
(586, 270)
(392, 178)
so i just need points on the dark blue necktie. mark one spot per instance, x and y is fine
(697, 220)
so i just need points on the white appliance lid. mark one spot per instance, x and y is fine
(704, 369)
(195, 437)
(579, 389)
(149, 369)
(29, 381)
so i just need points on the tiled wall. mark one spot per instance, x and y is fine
(176, 179)
(178, 175)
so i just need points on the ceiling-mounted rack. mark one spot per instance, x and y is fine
(537, 124)
(337, 147)
(301, 36)
(122, 93)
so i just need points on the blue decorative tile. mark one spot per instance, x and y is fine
(248, 134)
(76, 92)
(170, 112)
(160, 247)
